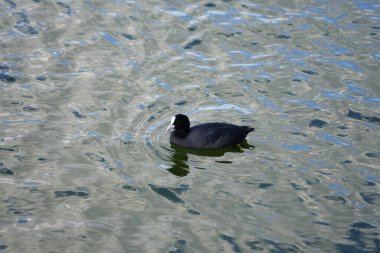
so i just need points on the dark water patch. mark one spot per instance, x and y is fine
(298, 187)
(129, 187)
(7, 78)
(151, 118)
(134, 18)
(369, 183)
(95, 157)
(66, 6)
(11, 149)
(22, 220)
(250, 44)
(193, 212)
(166, 193)
(262, 80)
(346, 162)
(277, 247)
(363, 236)
(235, 95)
(151, 106)
(81, 236)
(63, 4)
(10, 3)
(371, 197)
(342, 135)
(29, 108)
(78, 115)
(318, 123)
(357, 115)
(18, 211)
(246, 81)
(315, 242)
(310, 72)
(360, 21)
(210, 5)
(299, 134)
(129, 36)
(254, 245)
(3, 67)
(60, 194)
(23, 24)
(362, 224)
(227, 162)
(6, 172)
(180, 103)
(325, 172)
(231, 241)
(265, 185)
(289, 93)
(312, 181)
(372, 155)
(230, 34)
(27, 96)
(297, 80)
(375, 27)
(44, 159)
(192, 28)
(1, 164)
(41, 78)
(125, 142)
(192, 44)
(336, 199)
(34, 190)
(279, 36)
(179, 247)
(3, 246)
(322, 223)
(342, 127)
(249, 7)
(283, 37)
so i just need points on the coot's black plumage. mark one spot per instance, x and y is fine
(209, 135)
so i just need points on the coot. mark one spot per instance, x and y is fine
(209, 135)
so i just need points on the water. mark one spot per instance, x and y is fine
(87, 89)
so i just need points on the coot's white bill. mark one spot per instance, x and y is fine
(171, 126)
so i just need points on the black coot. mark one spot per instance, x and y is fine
(209, 135)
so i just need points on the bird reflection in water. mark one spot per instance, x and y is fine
(179, 160)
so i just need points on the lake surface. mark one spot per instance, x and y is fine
(87, 89)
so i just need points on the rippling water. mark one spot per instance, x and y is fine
(87, 89)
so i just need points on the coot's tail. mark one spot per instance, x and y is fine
(245, 130)
(248, 129)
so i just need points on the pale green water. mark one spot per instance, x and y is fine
(87, 89)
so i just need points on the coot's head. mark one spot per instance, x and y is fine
(179, 122)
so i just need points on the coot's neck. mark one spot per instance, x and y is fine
(181, 133)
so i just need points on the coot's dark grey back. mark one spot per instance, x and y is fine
(212, 135)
